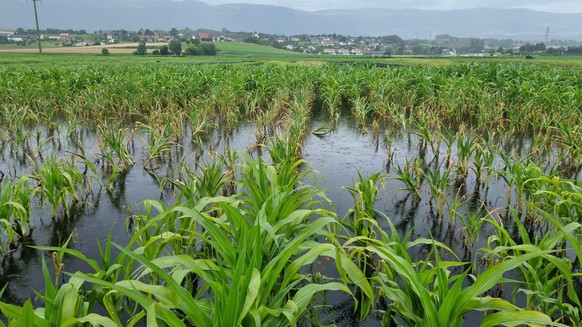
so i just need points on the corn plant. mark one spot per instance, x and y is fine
(255, 270)
(66, 304)
(471, 221)
(466, 147)
(360, 221)
(430, 295)
(158, 146)
(15, 210)
(114, 152)
(364, 194)
(547, 279)
(410, 176)
(61, 184)
(438, 180)
(331, 96)
(361, 109)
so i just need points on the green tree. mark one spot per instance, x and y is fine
(251, 39)
(393, 39)
(208, 49)
(477, 45)
(164, 50)
(105, 52)
(419, 49)
(141, 49)
(193, 51)
(175, 47)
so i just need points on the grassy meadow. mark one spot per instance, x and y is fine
(485, 153)
(246, 52)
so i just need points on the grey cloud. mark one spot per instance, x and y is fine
(564, 6)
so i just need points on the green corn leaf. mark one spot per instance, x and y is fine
(490, 277)
(152, 318)
(517, 318)
(186, 302)
(304, 295)
(93, 319)
(27, 315)
(252, 293)
(75, 253)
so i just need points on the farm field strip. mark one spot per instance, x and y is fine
(441, 180)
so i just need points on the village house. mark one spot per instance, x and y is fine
(19, 38)
(203, 36)
(449, 52)
(150, 38)
(328, 42)
(343, 52)
(64, 37)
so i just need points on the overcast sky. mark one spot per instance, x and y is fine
(562, 6)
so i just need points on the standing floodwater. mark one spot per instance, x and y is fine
(331, 194)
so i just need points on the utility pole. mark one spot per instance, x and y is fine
(37, 28)
(547, 35)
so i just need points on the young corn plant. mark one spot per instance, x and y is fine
(524, 176)
(244, 288)
(66, 304)
(548, 280)
(360, 221)
(471, 222)
(257, 271)
(465, 147)
(438, 180)
(361, 109)
(332, 96)
(159, 147)
(116, 158)
(427, 293)
(410, 176)
(426, 135)
(15, 209)
(61, 184)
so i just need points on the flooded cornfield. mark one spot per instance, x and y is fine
(291, 195)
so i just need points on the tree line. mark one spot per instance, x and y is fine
(175, 48)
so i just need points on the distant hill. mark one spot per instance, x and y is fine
(409, 23)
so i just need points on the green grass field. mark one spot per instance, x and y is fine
(237, 52)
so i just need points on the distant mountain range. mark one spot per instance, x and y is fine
(519, 24)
